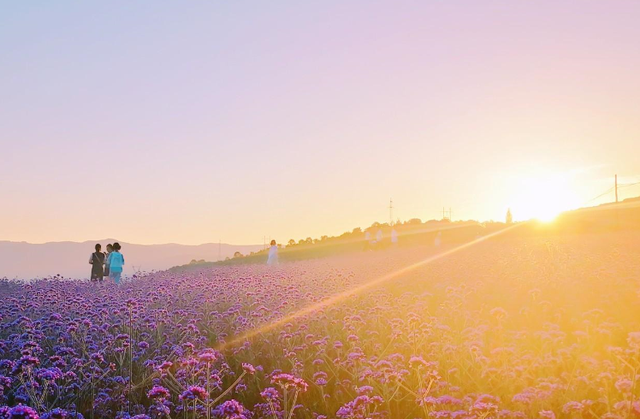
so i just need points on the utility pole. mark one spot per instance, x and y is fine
(390, 212)
(616, 186)
(450, 214)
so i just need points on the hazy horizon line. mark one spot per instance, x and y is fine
(124, 241)
(584, 206)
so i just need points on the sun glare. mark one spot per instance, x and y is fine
(543, 197)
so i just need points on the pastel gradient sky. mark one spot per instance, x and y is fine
(189, 122)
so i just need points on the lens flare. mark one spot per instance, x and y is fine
(249, 334)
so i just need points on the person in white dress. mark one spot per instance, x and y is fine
(394, 237)
(377, 243)
(273, 254)
(367, 240)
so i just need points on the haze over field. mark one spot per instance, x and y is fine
(535, 327)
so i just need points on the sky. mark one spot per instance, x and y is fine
(193, 122)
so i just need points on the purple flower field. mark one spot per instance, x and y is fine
(535, 328)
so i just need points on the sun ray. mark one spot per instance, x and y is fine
(251, 333)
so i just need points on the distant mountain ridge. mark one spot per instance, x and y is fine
(24, 260)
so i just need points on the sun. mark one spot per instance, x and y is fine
(547, 215)
(543, 197)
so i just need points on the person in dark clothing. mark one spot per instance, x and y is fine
(97, 261)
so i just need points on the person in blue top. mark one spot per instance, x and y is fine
(106, 260)
(115, 262)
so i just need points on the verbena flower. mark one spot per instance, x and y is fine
(21, 412)
(158, 392)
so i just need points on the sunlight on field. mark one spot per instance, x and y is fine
(544, 197)
(350, 293)
(515, 328)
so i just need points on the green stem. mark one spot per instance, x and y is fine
(224, 393)
(293, 405)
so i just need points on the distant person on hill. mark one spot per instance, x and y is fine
(97, 261)
(116, 262)
(106, 260)
(394, 237)
(273, 254)
(367, 240)
(438, 241)
(379, 239)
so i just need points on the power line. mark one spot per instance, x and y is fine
(625, 185)
(601, 195)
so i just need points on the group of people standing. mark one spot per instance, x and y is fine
(107, 264)
(377, 243)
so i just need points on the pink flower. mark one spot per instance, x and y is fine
(158, 392)
(287, 381)
(624, 385)
(248, 368)
(208, 356)
(547, 414)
